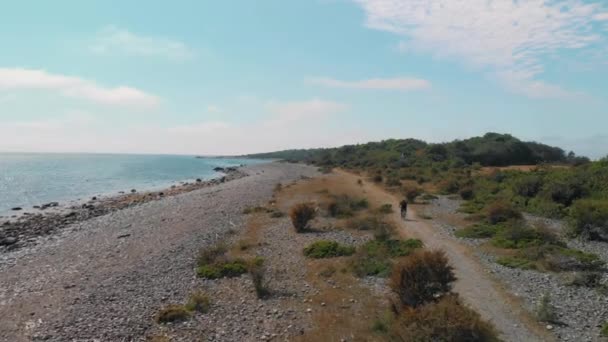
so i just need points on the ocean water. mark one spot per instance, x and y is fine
(33, 179)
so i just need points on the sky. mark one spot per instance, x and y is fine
(235, 77)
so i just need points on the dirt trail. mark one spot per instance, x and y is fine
(474, 285)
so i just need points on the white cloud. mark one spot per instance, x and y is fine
(311, 110)
(502, 36)
(601, 16)
(114, 40)
(403, 84)
(297, 124)
(70, 86)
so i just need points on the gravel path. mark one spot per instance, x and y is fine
(581, 311)
(105, 278)
(474, 285)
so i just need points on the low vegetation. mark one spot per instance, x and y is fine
(386, 209)
(448, 319)
(327, 249)
(375, 258)
(421, 278)
(343, 206)
(258, 278)
(213, 263)
(545, 311)
(198, 301)
(604, 331)
(172, 313)
(301, 215)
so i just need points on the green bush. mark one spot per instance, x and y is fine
(327, 249)
(226, 269)
(585, 279)
(589, 219)
(466, 193)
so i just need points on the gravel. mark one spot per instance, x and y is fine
(106, 277)
(581, 311)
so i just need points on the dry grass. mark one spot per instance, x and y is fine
(301, 215)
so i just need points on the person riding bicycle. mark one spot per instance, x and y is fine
(403, 206)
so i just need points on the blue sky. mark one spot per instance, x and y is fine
(223, 77)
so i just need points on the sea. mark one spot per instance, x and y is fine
(29, 179)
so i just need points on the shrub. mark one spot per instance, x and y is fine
(501, 212)
(227, 269)
(421, 278)
(327, 249)
(345, 206)
(528, 186)
(585, 279)
(446, 320)
(198, 301)
(466, 193)
(589, 219)
(386, 208)
(210, 254)
(172, 313)
(257, 274)
(377, 178)
(545, 311)
(517, 235)
(301, 214)
(411, 193)
(393, 181)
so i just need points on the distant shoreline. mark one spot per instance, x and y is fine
(21, 230)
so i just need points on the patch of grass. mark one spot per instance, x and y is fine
(516, 262)
(198, 301)
(343, 206)
(516, 236)
(256, 209)
(478, 231)
(226, 269)
(172, 313)
(428, 197)
(328, 271)
(545, 311)
(327, 249)
(386, 208)
(210, 254)
(585, 279)
(370, 223)
(552, 258)
(604, 331)
(244, 245)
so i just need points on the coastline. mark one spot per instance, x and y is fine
(25, 227)
(106, 277)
